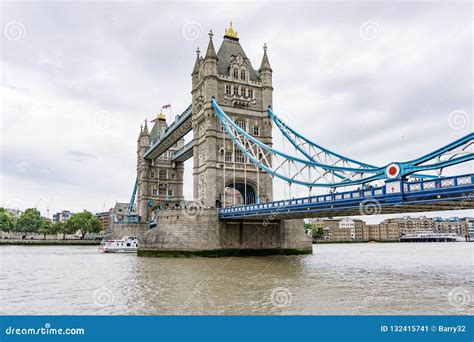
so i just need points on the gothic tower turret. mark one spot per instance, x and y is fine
(245, 94)
(142, 170)
(265, 75)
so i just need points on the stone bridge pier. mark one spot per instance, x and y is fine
(182, 233)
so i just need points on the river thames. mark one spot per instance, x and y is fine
(361, 279)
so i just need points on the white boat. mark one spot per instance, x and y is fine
(129, 244)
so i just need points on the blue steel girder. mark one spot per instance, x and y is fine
(314, 173)
(396, 196)
(132, 200)
(290, 168)
(457, 152)
(181, 126)
(315, 152)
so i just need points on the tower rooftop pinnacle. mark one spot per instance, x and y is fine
(230, 33)
(211, 52)
(265, 62)
(196, 64)
(145, 128)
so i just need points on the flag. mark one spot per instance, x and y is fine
(166, 106)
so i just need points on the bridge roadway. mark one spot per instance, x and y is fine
(184, 153)
(182, 125)
(446, 193)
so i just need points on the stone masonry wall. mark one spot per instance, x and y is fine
(180, 230)
(118, 231)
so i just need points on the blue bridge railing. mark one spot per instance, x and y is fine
(393, 192)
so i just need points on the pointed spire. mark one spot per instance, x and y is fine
(145, 129)
(141, 132)
(211, 52)
(196, 64)
(265, 62)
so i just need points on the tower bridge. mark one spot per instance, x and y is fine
(234, 164)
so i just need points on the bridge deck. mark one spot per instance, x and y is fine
(184, 153)
(181, 126)
(448, 193)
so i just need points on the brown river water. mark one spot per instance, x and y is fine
(357, 279)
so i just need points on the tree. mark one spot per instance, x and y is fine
(317, 232)
(62, 228)
(56, 228)
(6, 221)
(45, 228)
(30, 221)
(84, 222)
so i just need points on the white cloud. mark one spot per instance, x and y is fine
(79, 83)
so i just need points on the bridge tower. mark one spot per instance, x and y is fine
(245, 94)
(160, 181)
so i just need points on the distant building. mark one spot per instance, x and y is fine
(104, 219)
(470, 227)
(361, 230)
(409, 224)
(349, 229)
(384, 231)
(345, 229)
(62, 216)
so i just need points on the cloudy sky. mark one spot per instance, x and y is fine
(379, 82)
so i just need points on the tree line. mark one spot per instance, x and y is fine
(30, 221)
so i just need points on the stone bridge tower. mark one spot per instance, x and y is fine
(160, 181)
(245, 95)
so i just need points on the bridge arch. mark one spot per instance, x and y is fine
(246, 189)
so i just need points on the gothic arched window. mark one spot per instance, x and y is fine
(242, 124)
(242, 75)
(239, 157)
(236, 73)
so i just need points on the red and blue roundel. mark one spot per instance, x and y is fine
(392, 170)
